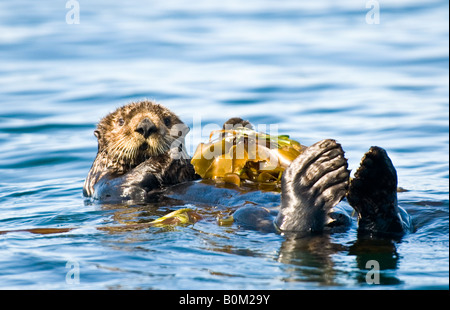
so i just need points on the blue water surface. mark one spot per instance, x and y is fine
(314, 69)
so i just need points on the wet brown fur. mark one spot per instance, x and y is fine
(121, 147)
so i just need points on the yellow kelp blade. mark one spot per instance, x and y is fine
(225, 221)
(245, 154)
(185, 216)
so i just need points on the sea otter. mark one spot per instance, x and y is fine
(140, 149)
(141, 153)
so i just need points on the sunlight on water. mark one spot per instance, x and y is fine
(319, 70)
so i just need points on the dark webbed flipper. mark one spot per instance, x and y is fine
(373, 194)
(313, 183)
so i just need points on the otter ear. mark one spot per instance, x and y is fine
(97, 134)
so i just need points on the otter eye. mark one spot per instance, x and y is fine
(167, 121)
(121, 122)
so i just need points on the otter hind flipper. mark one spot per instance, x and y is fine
(312, 184)
(373, 194)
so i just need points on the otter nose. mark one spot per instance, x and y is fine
(146, 127)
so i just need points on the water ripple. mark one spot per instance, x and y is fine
(315, 70)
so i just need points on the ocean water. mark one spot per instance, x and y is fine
(327, 69)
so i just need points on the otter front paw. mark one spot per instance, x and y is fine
(313, 183)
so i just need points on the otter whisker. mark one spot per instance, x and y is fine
(121, 148)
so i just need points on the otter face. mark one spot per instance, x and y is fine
(135, 132)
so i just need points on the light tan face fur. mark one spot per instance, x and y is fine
(123, 143)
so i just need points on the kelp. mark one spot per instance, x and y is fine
(243, 155)
(181, 217)
(185, 216)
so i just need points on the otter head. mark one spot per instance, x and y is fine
(136, 132)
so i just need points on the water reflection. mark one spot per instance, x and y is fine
(313, 257)
(306, 257)
(319, 259)
(383, 252)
